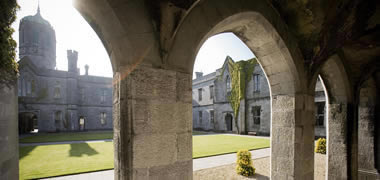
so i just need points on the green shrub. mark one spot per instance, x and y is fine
(8, 64)
(244, 163)
(321, 146)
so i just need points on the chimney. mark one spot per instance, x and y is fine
(86, 69)
(198, 75)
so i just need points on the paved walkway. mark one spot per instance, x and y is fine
(198, 164)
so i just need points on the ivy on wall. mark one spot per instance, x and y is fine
(240, 73)
(8, 64)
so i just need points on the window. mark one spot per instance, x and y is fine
(256, 111)
(212, 116)
(35, 37)
(81, 91)
(28, 88)
(200, 117)
(228, 84)
(33, 87)
(320, 115)
(23, 87)
(103, 96)
(212, 92)
(103, 118)
(57, 90)
(256, 82)
(19, 87)
(81, 121)
(200, 94)
(23, 36)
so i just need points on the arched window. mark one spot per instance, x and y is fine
(103, 118)
(228, 83)
(23, 87)
(19, 87)
(23, 36)
(28, 88)
(256, 82)
(33, 87)
(35, 37)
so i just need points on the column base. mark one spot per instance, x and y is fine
(368, 174)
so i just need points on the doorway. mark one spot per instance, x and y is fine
(228, 119)
(81, 123)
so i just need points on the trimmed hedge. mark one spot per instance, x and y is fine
(244, 163)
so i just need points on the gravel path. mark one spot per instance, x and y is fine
(262, 170)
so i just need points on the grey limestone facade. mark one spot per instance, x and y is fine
(54, 100)
(212, 110)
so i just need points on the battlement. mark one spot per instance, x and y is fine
(72, 55)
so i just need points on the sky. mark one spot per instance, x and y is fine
(73, 32)
(214, 50)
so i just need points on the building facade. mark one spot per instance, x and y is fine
(212, 110)
(51, 100)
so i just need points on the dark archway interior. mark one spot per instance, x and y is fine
(28, 122)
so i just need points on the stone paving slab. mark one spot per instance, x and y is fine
(214, 161)
(198, 164)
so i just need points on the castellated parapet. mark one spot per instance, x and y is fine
(72, 57)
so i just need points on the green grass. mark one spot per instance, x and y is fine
(63, 159)
(204, 146)
(75, 136)
(55, 160)
(199, 133)
(58, 137)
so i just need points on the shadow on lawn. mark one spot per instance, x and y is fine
(80, 149)
(24, 151)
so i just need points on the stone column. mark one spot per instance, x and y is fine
(242, 119)
(8, 133)
(292, 140)
(152, 124)
(367, 169)
(337, 141)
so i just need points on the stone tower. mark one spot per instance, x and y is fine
(37, 41)
(72, 57)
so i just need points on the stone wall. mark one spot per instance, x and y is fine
(8, 133)
(80, 96)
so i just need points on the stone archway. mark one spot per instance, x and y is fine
(28, 121)
(367, 124)
(339, 105)
(261, 29)
(152, 86)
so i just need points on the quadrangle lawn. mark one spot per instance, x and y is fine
(75, 136)
(59, 137)
(63, 159)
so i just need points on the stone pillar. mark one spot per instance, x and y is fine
(337, 141)
(292, 140)
(367, 169)
(242, 119)
(8, 133)
(152, 124)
